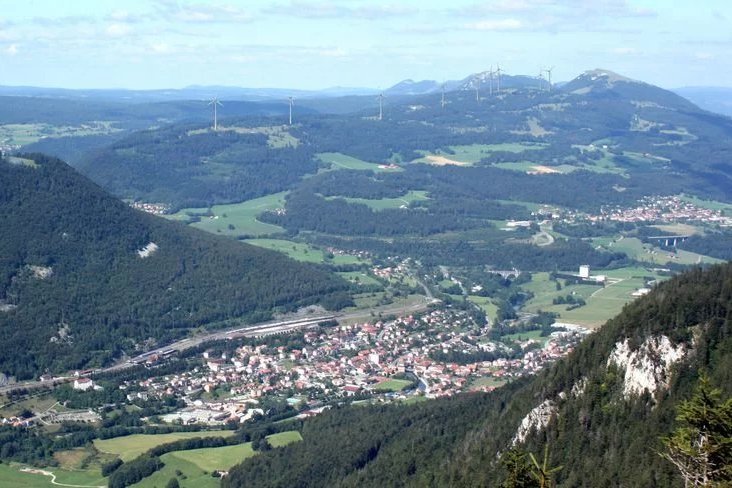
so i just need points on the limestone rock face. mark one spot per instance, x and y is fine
(648, 367)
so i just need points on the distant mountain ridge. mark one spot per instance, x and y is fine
(714, 99)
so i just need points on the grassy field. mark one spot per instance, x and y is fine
(525, 336)
(531, 167)
(384, 203)
(485, 303)
(303, 252)
(131, 446)
(215, 458)
(392, 385)
(471, 154)
(284, 438)
(196, 465)
(710, 204)
(23, 134)
(359, 277)
(12, 477)
(601, 303)
(648, 253)
(277, 135)
(241, 216)
(487, 381)
(342, 161)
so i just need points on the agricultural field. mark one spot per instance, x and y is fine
(277, 136)
(196, 465)
(12, 477)
(487, 381)
(534, 335)
(392, 385)
(385, 203)
(471, 154)
(359, 277)
(235, 219)
(602, 303)
(640, 251)
(534, 168)
(342, 161)
(486, 304)
(23, 134)
(710, 204)
(304, 252)
(131, 446)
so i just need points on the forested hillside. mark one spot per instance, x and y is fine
(604, 409)
(85, 279)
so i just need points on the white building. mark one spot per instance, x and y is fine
(83, 384)
(584, 271)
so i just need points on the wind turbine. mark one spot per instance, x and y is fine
(549, 75)
(215, 101)
(541, 79)
(498, 78)
(477, 89)
(442, 102)
(292, 100)
(381, 108)
(490, 80)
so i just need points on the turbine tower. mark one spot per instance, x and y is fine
(442, 102)
(490, 80)
(477, 89)
(498, 78)
(215, 102)
(549, 76)
(541, 79)
(381, 107)
(292, 100)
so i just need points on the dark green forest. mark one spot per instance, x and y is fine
(598, 436)
(76, 293)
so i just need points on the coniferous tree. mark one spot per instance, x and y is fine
(701, 447)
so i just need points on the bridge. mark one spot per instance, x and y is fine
(668, 241)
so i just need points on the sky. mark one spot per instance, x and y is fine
(312, 44)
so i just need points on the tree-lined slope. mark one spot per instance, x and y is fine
(84, 278)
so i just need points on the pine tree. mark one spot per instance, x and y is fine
(543, 474)
(516, 463)
(701, 447)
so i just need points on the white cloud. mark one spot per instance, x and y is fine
(161, 48)
(624, 50)
(496, 25)
(327, 10)
(11, 50)
(117, 30)
(202, 12)
(704, 56)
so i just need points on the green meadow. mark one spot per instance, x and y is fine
(342, 161)
(237, 218)
(385, 203)
(392, 385)
(131, 446)
(303, 252)
(196, 465)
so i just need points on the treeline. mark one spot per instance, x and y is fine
(562, 255)
(307, 211)
(197, 169)
(101, 297)
(717, 245)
